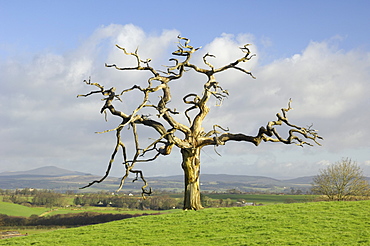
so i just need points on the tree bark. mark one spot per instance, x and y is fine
(191, 166)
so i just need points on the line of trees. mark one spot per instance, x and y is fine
(208, 202)
(34, 197)
(158, 202)
(49, 198)
(161, 202)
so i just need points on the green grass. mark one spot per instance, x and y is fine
(19, 210)
(321, 223)
(30, 230)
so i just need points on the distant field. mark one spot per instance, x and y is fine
(19, 210)
(264, 199)
(23, 211)
(319, 223)
(259, 198)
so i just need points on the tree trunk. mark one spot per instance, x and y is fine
(191, 166)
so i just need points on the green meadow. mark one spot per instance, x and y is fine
(19, 210)
(12, 209)
(317, 223)
(263, 198)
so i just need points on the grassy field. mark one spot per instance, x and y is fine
(19, 210)
(23, 211)
(320, 223)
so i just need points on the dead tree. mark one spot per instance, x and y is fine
(194, 138)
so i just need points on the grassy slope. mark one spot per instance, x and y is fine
(321, 223)
(19, 210)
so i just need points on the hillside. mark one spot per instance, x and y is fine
(61, 180)
(20, 210)
(320, 223)
(44, 171)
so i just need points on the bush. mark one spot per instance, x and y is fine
(341, 181)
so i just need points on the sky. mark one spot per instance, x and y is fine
(315, 52)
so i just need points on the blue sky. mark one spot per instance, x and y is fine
(317, 52)
(33, 26)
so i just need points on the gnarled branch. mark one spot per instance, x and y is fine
(268, 133)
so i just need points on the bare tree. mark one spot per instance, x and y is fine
(193, 137)
(341, 181)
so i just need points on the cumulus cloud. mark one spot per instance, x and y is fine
(43, 123)
(329, 87)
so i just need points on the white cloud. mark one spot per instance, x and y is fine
(43, 123)
(328, 86)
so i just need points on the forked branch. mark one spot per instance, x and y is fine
(296, 135)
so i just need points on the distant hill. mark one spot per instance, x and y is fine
(223, 178)
(301, 180)
(51, 177)
(222, 182)
(44, 171)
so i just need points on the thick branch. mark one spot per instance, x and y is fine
(211, 87)
(268, 134)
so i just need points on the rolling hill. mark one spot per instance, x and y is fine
(43, 171)
(51, 177)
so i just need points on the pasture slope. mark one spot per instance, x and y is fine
(319, 223)
(19, 210)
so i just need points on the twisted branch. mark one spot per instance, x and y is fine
(268, 133)
(119, 144)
